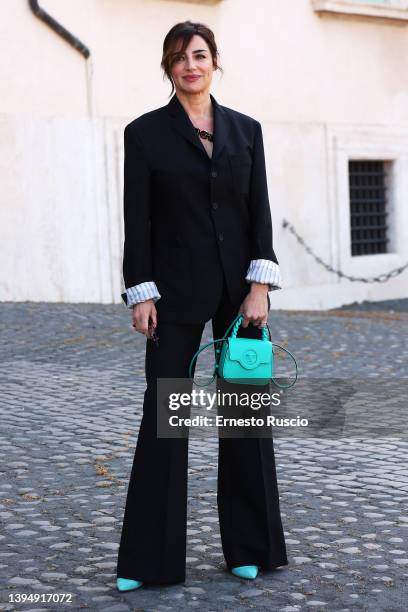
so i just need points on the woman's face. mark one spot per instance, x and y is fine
(195, 61)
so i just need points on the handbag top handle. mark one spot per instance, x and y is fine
(238, 322)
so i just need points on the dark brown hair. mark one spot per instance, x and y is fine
(184, 31)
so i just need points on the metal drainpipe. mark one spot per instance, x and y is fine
(71, 39)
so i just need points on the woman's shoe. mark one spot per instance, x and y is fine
(245, 571)
(124, 584)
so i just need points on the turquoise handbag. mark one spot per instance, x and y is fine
(244, 360)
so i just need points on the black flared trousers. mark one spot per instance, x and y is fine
(153, 540)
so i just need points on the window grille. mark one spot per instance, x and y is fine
(368, 207)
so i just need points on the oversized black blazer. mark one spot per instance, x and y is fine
(190, 219)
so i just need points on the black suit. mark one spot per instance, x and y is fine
(173, 237)
(189, 218)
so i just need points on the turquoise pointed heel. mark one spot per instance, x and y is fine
(245, 571)
(124, 584)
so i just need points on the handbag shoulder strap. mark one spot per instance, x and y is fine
(296, 368)
(195, 356)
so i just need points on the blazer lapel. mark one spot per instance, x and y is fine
(185, 127)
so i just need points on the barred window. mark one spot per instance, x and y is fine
(368, 207)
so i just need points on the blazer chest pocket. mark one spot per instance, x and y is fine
(241, 165)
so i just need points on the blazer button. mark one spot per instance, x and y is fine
(215, 205)
(220, 237)
(214, 173)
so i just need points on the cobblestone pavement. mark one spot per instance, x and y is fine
(389, 306)
(72, 381)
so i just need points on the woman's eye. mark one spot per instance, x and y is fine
(181, 57)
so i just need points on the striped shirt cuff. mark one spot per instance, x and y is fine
(264, 271)
(141, 293)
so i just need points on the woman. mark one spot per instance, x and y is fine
(198, 246)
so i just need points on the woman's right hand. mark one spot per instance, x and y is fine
(142, 314)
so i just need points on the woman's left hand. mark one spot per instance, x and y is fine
(255, 306)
